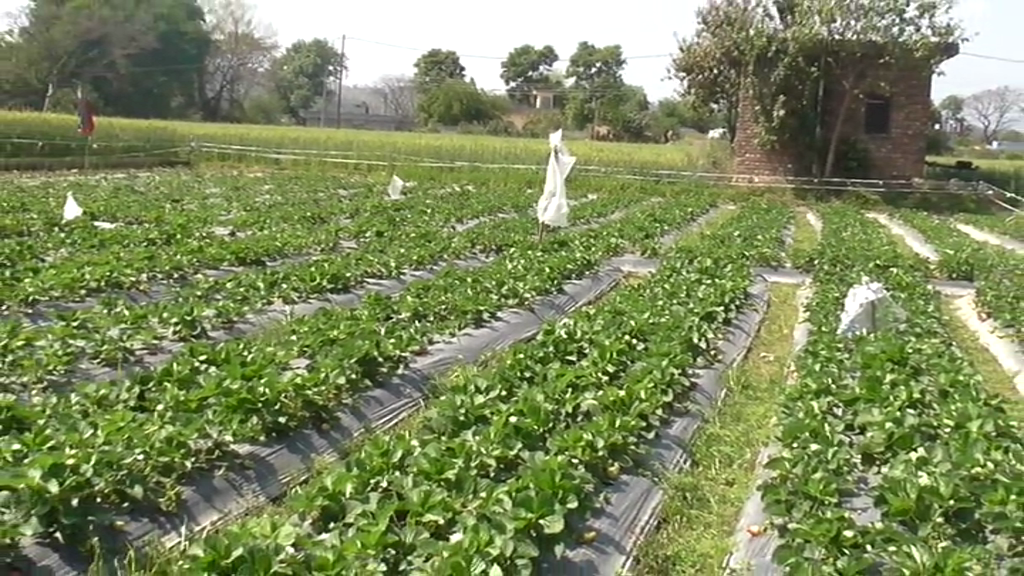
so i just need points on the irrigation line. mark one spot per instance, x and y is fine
(798, 183)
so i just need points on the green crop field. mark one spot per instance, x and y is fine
(33, 139)
(233, 372)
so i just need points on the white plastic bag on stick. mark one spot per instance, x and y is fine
(395, 187)
(71, 208)
(553, 206)
(868, 308)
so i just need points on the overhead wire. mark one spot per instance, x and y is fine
(667, 55)
(481, 57)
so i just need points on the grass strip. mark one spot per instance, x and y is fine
(699, 516)
(996, 379)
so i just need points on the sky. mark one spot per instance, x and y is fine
(384, 39)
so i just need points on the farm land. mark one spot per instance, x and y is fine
(287, 372)
(42, 142)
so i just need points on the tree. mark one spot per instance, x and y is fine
(301, 73)
(709, 65)
(435, 67)
(398, 94)
(243, 49)
(596, 75)
(994, 110)
(951, 111)
(160, 80)
(456, 102)
(899, 32)
(626, 111)
(785, 47)
(527, 68)
(938, 141)
(20, 87)
(135, 62)
(65, 43)
(688, 112)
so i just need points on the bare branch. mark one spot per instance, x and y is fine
(994, 110)
(398, 94)
(243, 50)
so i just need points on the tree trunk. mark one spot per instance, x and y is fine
(837, 130)
(819, 116)
(48, 97)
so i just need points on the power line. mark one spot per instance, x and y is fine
(128, 69)
(636, 57)
(996, 58)
(480, 57)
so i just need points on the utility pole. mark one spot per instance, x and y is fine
(341, 78)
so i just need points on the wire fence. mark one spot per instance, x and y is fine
(109, 153)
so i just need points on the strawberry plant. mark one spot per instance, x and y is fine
(997, 272)
(894, 456)
(211, 395)
(510, 452)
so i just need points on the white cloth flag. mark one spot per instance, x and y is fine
(71, 208)
(868, 308)
(395, 187)
(553, 206)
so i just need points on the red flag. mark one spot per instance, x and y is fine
(86, 117)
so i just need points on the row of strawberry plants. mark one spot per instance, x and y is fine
(1007, 224)
(894, 458)
(34, 213)
(425, 234)
(115, 333)
(527, 444)
(998, 272)
(156, 428)
(507, 453)
(758, 229)
(136, 256)
(169, 228)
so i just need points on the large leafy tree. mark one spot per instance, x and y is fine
(951, 114)
(626, 112)
(784, 51)
(455, 102)
(136, 62)
(301, 73)
(435, 68)
(709, 65)
(20, 84)
(597, 83)
(527, 68)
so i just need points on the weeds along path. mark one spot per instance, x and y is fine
(697, 533)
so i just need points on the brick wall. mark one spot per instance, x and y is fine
(898, 155)
(753, 160)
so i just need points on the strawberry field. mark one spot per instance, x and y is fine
(291, 373)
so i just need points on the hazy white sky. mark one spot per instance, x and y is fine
(644, 28)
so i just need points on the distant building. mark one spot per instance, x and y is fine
(361, 107)
(544, 99)
(891, 122)
(1007, 146)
